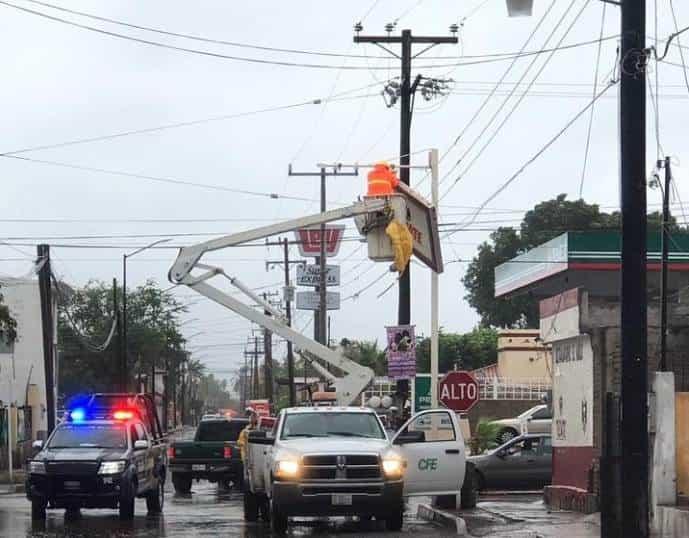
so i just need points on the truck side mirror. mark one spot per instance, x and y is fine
(37, 445)
(141, 444)
(260, 438)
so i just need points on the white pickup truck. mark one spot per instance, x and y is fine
(339, 461)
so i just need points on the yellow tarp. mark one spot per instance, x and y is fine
(402, 244)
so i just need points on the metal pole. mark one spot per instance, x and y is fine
(664, 247)
(290, 353)
(634, 422)
(124, 374)
(433, 161)
(404, 303)
(45, 289)
(118, 344)
(10, 421)
(322, 289)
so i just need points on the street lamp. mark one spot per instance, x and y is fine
(125, 348)
(519, 8)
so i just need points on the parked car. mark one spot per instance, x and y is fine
(212, 455)
(523, 462)
(538, 419)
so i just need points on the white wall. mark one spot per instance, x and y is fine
(23, 299)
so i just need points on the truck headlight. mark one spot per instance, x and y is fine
(36, 467)
(392, 467)
(112, 467)
(287, 469)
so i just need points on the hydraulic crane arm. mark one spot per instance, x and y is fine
(356, 377)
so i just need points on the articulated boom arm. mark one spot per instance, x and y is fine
(356, 377)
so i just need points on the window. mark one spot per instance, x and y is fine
(220, 430)
(547, 445)
(134, 434)
(524, 448)
(332, 424)
(437, 426)
(140, 432)
(89, 436)
(542, 414)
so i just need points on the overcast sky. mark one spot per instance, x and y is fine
(62, 83)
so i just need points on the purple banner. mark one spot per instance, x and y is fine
(401, 352)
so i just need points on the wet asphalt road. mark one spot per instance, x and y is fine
(209, 511)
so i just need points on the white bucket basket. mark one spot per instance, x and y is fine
(373, 228)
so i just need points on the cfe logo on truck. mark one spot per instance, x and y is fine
(428, 464)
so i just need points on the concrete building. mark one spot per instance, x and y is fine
(22, 372)
(522, 356)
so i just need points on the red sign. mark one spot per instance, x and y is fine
(458, 391)
(309, 240)
(262, 407)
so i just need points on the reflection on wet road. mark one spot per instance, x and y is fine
(208, 511)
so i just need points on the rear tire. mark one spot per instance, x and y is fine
(250, 507)
(182, 483)
(278, 520)
(156, 499)
(505, 435)
(469, 496)
(395, 519)
(37, 510)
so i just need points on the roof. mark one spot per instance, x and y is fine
(329, 409)
(586, 259)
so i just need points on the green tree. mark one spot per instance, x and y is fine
(8, 325)
(545, 221)
(468, 351)
(365, 353)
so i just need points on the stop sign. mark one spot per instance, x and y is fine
(458, 391)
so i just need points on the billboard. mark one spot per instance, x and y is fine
(401, 351)
(309, 240)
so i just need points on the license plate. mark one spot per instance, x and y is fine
(341, 500)
(72, 484)
(198, 467)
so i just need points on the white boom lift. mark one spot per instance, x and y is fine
(372, 215)
(377, 211)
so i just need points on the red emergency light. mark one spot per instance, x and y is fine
(123, 414)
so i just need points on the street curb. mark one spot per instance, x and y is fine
(10, 489)
(447, 519)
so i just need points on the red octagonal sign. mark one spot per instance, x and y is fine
(458, 391)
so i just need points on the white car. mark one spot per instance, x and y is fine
(538, 419)
(339, 461)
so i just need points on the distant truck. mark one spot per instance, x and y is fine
(339, 461)
(212, 455)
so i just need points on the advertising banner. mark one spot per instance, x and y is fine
(401, 351)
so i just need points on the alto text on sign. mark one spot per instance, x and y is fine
(458, 391)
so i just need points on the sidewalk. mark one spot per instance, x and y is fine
(17, 487)
(515, 516)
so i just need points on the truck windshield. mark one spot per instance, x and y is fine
(90, 436)
(329, 424)
(220, 430)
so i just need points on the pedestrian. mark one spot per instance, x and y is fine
(243, 439)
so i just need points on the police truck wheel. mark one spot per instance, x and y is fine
(37, 510)
(181, 483)
(278, 520)
(394, 519)
(156, 499)
(250, 507)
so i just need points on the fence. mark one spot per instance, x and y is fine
(495, 388)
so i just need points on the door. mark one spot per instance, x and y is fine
(516, 463)
(139, 458)
(543, 466)
(435, 457)
(540, 421)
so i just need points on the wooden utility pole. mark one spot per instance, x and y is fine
(664, 247)
(267, 358)
(47, 321)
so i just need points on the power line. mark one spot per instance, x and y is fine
(681, 51)
(317, 101)
(500, 57)
(535, 156)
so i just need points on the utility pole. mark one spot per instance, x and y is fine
(253, 385)
(664, 244)
(320, 315)
(268, 357)
(256, 389)
(406, 91)
(634, 413)
(117, 348)
(46, 295)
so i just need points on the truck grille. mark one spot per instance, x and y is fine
(72, 468)
(341, 467)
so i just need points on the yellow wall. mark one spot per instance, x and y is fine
(682, 445)
(522, 356)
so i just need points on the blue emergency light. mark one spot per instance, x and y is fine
(77, 415)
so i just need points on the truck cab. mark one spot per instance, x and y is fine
(339, 461)
(97, 458)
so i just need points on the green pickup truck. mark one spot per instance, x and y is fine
(213, 455)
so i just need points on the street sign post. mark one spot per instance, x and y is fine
(310, 300)
(458, 391)
(309, 275)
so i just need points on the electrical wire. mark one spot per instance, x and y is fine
(595, 91)
(540, 152)
(681, 50)
(519, 100)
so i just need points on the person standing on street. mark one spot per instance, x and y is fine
(243, 439)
